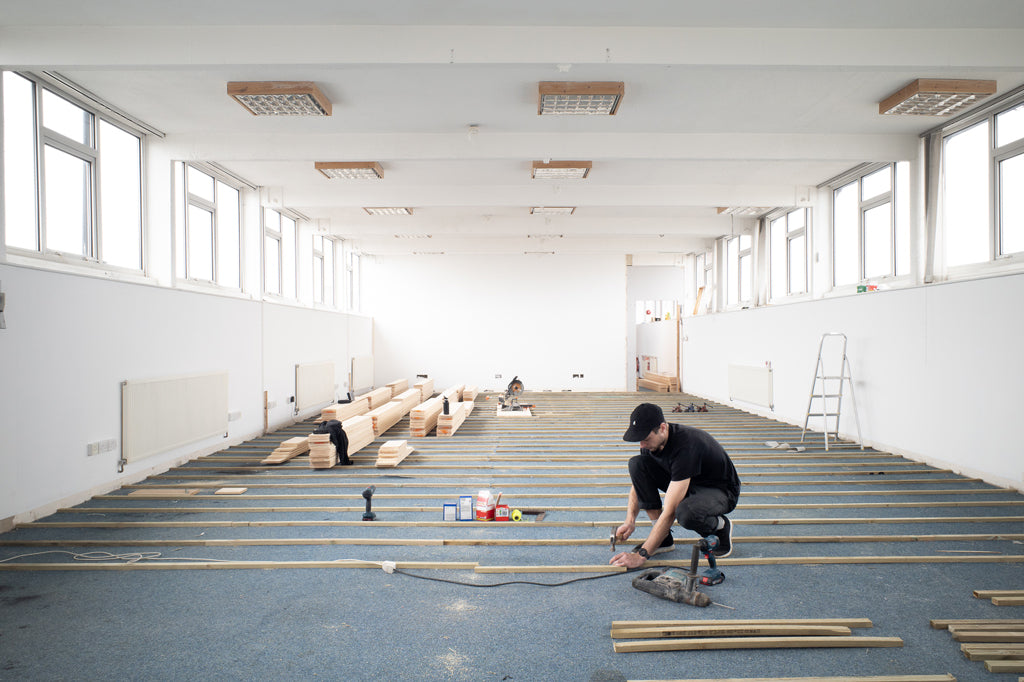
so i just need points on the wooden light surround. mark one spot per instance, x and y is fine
(588, 98)
(936, 97)
(280, 98)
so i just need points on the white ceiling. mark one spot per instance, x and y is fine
(746, 103)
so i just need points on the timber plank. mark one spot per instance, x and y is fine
(847, 622)
(717, 630)
(708, 643)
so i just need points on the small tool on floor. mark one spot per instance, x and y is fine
(367, 495)
(614, 541)
(680, 586)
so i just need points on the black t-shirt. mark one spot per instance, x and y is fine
(693, 454)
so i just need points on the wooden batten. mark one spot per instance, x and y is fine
(392, 453)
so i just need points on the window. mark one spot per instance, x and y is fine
(278, 253)
(72, 179)
(323, 270)
(739, 269)
(787, 253)
(353, 265)
(983, 188)
(871, 225)
(208, 228)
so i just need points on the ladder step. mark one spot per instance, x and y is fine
(827, 395)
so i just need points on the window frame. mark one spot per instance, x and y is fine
(91, 153)
(783, 217)
(217, 208)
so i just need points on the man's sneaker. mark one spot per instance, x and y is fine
(724, 548)
(667, 545)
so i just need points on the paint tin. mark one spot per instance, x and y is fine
(502, 512)
(484, 506)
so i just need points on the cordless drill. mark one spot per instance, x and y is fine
(368, 495)
(710, 575)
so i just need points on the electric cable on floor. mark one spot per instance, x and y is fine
(128, 557)
(508, 582)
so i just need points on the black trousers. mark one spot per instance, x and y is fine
(699, 510)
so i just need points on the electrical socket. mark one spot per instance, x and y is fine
(101, 446)
(92, 449)
(497, 376)
(271, 404)
(234, 416)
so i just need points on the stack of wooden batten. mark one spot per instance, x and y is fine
(426, 387)
(423, 417)
(322, 453)
(292, 447)
(392, 453)
(690, 635)
(390, 413)
(655, 381)
(448, 424)
(998, 643)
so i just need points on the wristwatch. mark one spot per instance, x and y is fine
(643, 552)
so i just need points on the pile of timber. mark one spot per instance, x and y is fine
(656, 381)
(423, 417)
(453, 393)
(469, 393)
(426, 387)
(393, 452)
(1002, 597)
(398, 386)
(389, 414)
(691, 635)
(998, 643)
(343, 411)
(322, 453)
(448, 424)
(293, 447)
(378, 396)
(359, 431)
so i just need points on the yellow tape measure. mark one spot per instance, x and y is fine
(517, 515)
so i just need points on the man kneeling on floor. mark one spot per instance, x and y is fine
(694, 471)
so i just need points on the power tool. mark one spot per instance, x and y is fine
(680, 586)
(368, 495)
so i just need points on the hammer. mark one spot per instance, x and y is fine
(367, 494)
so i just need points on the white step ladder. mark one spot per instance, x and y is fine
(829, 387)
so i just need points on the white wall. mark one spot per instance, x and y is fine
(464, 319)
(70, 342)
(937, 370)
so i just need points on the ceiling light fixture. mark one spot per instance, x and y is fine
(742, 210)
(936, 97)
(561, 169)
(281, 98)
(350, 170)
(593, 98)
(552, 210)
(387, 210)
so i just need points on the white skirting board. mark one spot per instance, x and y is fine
(751, 384)
(314, 384)
(158, 415)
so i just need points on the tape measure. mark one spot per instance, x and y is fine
(517, 515)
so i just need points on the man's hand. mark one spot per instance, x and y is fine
(628, 559)
(623, 532)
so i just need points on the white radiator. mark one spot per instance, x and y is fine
(751, 384)
(362, 373)
(158, 415)
(314, 384)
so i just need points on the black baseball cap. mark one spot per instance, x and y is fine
(646, 417)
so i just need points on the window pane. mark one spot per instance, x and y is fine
(746, 278)
(745, 242)
(845, 222)
(966, 190)
(798, 265)
(1010, 126)
(70, 120)
(796, 220)
(200, 184)
(228, 228)
(318, 279)
(877, 183)
(19, 163)
(200, 244)
(287, 257)
(777, 257)
(68, 189)
(732, 271)
(272, 265)
(120, 197)
(902, 210)
(329, 271)
(179, 220)
(878, 241)
(1011, 205)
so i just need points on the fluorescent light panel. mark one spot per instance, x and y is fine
(350, 170)
(388, 210)
(561, 169)
(593, 98)
(742, 210)
(936, 97)
(281, 98)
(552, 210)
